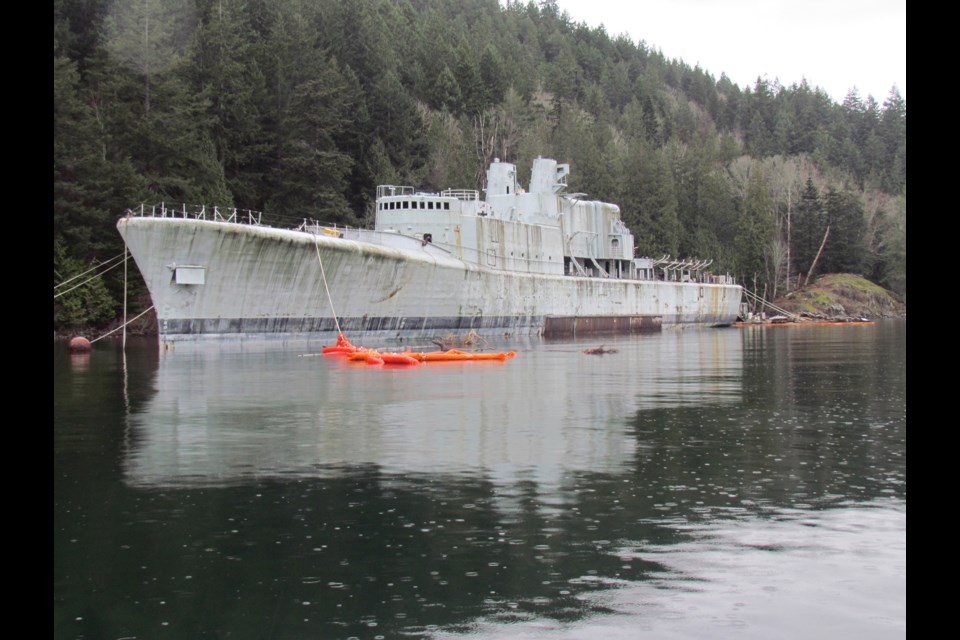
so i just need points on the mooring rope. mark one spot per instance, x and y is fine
(88, 280)
(121, 326)
(124, 300)
(752, 296)
(93, 268)
(316, 245)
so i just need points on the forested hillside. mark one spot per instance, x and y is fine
(299, 108)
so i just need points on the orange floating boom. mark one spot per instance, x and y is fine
(455, 355)
(398, 358)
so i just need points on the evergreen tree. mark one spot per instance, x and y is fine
(651, 193)
(893, 249)
(75, 160)
(809, 225)
(893, 133)
(176, 152)
(845, 250)
(93, 179)
(226, 72)
(472, 92)
(446, 91)
(150, 37)
(82, 299)
(755, 229)
(493, 80)
(314, 170)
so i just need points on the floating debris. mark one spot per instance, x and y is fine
(451, 341)
(598, 351)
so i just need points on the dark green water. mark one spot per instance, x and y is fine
(717, 483)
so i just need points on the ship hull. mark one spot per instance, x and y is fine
(252, 280)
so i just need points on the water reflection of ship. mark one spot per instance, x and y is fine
(223, 415)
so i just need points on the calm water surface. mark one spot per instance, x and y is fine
(708, 483)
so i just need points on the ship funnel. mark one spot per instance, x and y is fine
(501, 178)
(548, 176)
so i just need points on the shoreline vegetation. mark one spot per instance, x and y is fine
(844, 295)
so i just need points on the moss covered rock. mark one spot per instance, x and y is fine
(844, 295)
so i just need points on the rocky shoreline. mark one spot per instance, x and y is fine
(840, 296)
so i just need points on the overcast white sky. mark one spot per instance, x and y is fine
(834, 44)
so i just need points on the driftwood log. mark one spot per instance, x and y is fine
(598, 351)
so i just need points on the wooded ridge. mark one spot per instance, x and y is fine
(299, 108)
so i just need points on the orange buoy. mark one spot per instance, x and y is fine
(342, 347)
(79, 344)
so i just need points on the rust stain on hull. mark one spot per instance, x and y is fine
(561, 326)
(388, 296)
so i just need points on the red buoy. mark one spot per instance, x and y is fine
(79, 344)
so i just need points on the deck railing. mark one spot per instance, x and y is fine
(461, 194)
(197, 212)
(388, 190)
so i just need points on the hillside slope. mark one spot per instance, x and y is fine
(844, 295)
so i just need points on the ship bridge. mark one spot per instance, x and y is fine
(541, 229)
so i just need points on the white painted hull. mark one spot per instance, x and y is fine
(262, 280)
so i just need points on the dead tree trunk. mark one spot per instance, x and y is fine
(819, 251)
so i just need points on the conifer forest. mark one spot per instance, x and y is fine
(300, 108)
